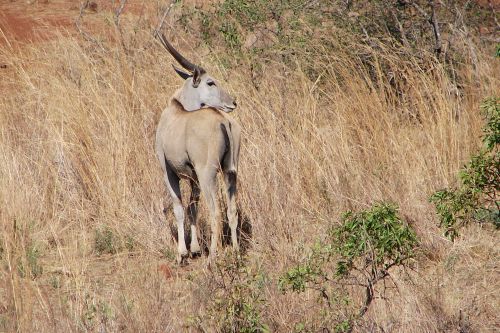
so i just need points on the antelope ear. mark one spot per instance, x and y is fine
(181, 73)
(198, 72)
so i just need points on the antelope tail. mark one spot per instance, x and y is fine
(229, 159)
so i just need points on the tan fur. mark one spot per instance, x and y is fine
(195, 139)
(194, 146)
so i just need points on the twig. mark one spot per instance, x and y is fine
(490, 4)
(401, 28)
(369, 292)
(165, 14)
(119, 11)
(86, 35)
(435, 27)
(434, 23)
(348, 4)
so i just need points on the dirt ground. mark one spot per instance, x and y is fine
(35, 20)
(38, 20)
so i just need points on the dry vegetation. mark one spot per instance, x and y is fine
(85, 245)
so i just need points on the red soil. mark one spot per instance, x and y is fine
(38, 20)
(21, 21)
(165, 270)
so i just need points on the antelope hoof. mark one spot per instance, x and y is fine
(182, 259)
(196, 254)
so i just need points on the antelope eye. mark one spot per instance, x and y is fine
(211, 83)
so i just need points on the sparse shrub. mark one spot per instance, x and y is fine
(30, 266)
(230, 34)
(32, 256)
(28, 251)
(3, 322)
(130, 243)
(168, 253)
(232, 21)
(359, 253)
(236, 298)
(55, 282)
(106, 242)
(95, 313)
(476, 196)
(491, 112)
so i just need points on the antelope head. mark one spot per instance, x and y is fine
(200, 89)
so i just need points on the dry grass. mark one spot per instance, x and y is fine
(76, 158)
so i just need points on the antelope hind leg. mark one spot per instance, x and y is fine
(232, 212)
(172, 182)
(208, 188)
(193, 216)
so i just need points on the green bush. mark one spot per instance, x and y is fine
(476, 196)
(359, 253)
(491, 112)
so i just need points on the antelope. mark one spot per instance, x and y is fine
(195, 139)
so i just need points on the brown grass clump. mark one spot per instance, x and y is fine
(85, 245)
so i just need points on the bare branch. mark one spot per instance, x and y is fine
(85, 34)
(493, 11)
(435, 26)
(432, 19)
(164, 16)
(119, 11)
(400, 27)
(369, 292)
(420, 10)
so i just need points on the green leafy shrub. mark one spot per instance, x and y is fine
(95, 313)
(377, 234)
(476, 196)
(491, 113)
(359, 253)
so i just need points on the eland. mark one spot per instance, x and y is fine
(196, 139)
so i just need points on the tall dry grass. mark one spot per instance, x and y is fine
(76, 162)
